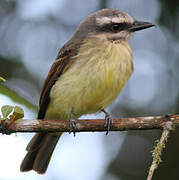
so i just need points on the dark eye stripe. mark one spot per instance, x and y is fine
(114, 27)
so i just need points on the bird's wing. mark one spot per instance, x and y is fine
(61, 64)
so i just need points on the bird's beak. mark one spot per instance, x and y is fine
(140, 25)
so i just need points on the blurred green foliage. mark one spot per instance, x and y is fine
(14, 96)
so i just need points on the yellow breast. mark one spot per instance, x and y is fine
(93, 81)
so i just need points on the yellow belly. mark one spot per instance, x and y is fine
(93, 81)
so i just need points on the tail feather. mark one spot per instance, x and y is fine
(27, 163)
(45, 152)
(40, 150)
(36, 141)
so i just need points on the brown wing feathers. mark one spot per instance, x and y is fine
(59, 66)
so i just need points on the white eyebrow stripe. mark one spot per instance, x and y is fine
(122, 19)
(103, 20)
(107, 20)
(118, 20)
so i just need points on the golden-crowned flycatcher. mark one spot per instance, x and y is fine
(88, 74)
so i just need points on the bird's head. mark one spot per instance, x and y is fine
(110, 24)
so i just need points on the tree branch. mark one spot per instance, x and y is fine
(86, 125)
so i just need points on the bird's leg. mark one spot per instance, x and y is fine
(72, 124)
(108, 119)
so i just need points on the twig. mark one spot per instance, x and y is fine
(157, 152)
(87, 125)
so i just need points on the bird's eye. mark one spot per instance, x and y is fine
(115, 27)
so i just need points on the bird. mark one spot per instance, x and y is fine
(88, 74)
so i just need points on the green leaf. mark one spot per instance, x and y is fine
(6, 110)
(19, 110)
(18, 113)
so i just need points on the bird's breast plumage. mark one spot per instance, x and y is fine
(92, 82)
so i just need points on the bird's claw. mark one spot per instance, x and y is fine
(109, 122)
(72, 125)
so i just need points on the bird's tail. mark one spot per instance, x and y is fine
(40, 150)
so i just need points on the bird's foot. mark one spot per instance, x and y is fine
(108, 119)
(72, 124)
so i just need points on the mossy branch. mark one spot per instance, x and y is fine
(157, 152)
